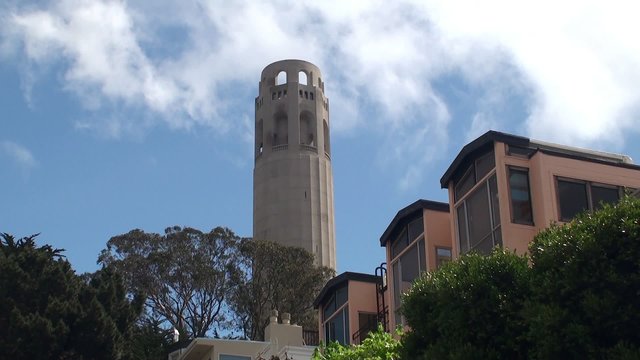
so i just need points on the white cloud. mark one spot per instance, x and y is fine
(576, 63)
(19, 154)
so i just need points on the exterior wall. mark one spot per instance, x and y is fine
(543, 171)
(437, 225)
(437, 233)
(293, 179)
(280, 338)
(362, 299)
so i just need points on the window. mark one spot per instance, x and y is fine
(575, 196)
(479, 219)
(519, 151)
(406, 269)
(474, 173)
(443, 255)
(337, 328)
(521, 212)
(233, 357)
(336, 301)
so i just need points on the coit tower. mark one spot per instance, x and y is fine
(292, 177)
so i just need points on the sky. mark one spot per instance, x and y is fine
(119, 115)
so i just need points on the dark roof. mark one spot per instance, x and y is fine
(340, 280)
(485, 142)
(409, 213)
(480, 144)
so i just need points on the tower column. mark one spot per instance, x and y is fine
(292, 178)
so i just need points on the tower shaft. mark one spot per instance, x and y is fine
(292, 178)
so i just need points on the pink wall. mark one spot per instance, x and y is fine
(362, 298)
(437, 225)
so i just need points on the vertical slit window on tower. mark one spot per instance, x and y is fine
(300, 93)
(273, 96)
(311, 95)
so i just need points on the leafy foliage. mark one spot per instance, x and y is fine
(578, 298)
(276, 277)
(48, 312)
(186, 274)
(379, 345)
(586, 286)
(469, 308)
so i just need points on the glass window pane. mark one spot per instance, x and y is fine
(416, 227)
(341, 296)
(443, 255)
(465, 183)
(409, 267)
(346, 335)
(495, 205)
(484, 246)
(479, 221)
(396, 284)
(399, 244)
(606, 195)
(573, 199)
(462, 229)
(484, 165)
(520, 197)
(519, 151)
(423, 255)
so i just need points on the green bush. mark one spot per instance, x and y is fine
(469, 309)
(586, 286)
(378, 345)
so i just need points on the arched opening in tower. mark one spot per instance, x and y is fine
(259, 137)
(281, 78)
(281, 129)
(307, 129)
(327, 143)
(302, 78)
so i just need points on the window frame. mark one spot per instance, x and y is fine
(524, 170)
(439, 258)
(496, 224)
(395, 274)
(588, 184)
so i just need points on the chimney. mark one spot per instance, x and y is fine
(286, 318)
(273, 319)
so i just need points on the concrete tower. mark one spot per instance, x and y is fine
(292, 178)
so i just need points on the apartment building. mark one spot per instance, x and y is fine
(503, 189)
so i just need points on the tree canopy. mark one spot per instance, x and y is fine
(48, 312)
(577, 295)
(276, 277)
(186, 274)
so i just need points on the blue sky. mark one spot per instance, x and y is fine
(135, 114)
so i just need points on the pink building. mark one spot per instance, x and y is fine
(503, 189)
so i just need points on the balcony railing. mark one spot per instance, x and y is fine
(310, 337)
(280, 147)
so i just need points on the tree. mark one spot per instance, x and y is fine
(469, 309)
(586, 286)
(150, 340)
(186, 274)
(48, 312)
(379, 345)
(276, 277)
